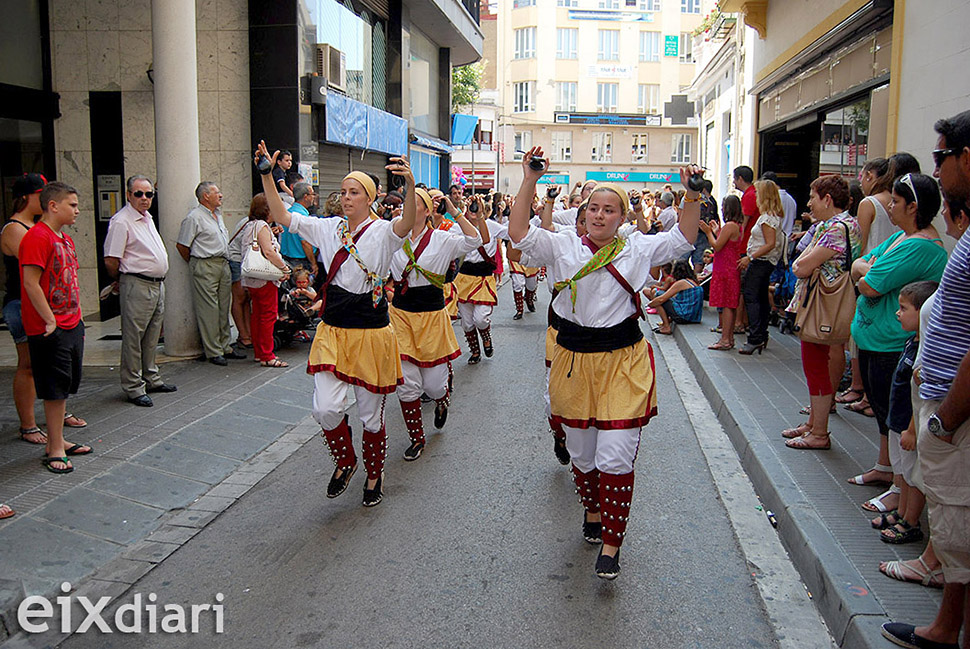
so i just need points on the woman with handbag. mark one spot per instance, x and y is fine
(262, 269)
(354, 346)
(827, 258)
(914, 254)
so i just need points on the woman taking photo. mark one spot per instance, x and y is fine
(425, 337)
(914, 254)
(258, 239)
(834, 244)
(765, 247)
(726, 279)
(602, 385)
(354, 346)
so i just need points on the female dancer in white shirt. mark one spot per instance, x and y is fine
(602, 386)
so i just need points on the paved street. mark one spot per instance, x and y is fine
(476, 543)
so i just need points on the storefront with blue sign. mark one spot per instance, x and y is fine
(639, 177)
(554, 179)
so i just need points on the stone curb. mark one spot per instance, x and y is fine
(854, 616)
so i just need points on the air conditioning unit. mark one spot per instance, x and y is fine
(332, 66)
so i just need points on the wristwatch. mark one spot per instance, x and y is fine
(935, 426)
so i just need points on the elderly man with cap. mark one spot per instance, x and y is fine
(135, 255)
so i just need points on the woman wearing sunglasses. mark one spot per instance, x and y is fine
(914, 254)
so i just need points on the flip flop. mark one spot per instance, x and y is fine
(843, 397)
(73, 449)
(49, 461)
(32, 431)
(70, 415)
(800, 444)
(6, 514)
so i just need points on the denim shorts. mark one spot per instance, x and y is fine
(235, 271)
(11, 315)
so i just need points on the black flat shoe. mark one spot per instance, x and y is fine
(562, 454)
(608, 567)
(488, 349)
(236, 356)
(339, 485)
(219, 360)
(376, 495)
(164, 387)
(143, 400)
(517, 316)
(592, 532)
(413, 451)
(474, 358)
(440, 415)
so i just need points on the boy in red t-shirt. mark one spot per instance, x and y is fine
(51, 311)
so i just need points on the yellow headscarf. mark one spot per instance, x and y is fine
(366, 182)
(435, 193)
(426, 197)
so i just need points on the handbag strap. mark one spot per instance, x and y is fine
(847, 265)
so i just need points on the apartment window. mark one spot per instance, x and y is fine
(525, 43)
(562, 146)
(648, 98)
(609, 4)
(690, 6)
(686, 47)
(523, 96)
(523, 142)
(603, 147)
(606, 97)
(566, 43)
(567, 3)
(640, 147)
(681, 148)
(609, 49)
(516, 4)
(649, 5)
(565, 96)
(649, 46)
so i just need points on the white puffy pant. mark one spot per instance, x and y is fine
(521, 282)
(610, 451)
(330, 395)
(475, 316)
(433, 381)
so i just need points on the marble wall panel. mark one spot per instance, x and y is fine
(100, 15)
(207, 60)
(138, 120)
(233, 60)
(140, 162)
(233, 14)
(210, 163)
(69, 53)
(207, 14)
(135, 15)
(208, 121)
(72, 130)
(237, 184)
(135, 48)
(65, 15)
(104, 60)
(234, 127)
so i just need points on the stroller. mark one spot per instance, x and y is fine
(295, 317)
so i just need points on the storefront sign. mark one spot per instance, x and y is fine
(671, 45)
(633, 176)
(610, 71)
(618, 16)
(608, 118)
(554, 179)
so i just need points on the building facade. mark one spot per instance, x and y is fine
(80, 101)
(600, 85)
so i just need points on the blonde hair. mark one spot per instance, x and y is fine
(768, 198)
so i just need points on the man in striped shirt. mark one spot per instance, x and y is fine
(943, 421)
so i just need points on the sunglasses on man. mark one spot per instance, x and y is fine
(140, 193)
(939, 155)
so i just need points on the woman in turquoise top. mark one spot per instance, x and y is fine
(915, 254)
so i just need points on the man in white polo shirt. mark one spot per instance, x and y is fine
(135, 255)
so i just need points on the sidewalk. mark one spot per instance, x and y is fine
(156, 477)
(820, 521)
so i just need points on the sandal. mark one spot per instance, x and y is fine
(801, 443)
(875, 505)
(897, 536)
(884, 521)
(660, 330)
(719, 346)
(926, 577)
(276, 362)
(716, 330)
(862, 407)
(862, 482)
(33, 431)
(78, 449)
(6, 511)
(78, 422)
(792, 433)
(844, 397)
(49, 463)
(244, 345)
(807, 410)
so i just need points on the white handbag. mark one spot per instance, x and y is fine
(257, 266)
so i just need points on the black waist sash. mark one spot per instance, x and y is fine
(590, 340)
(354, 310)
(477, 269)
(419, 299)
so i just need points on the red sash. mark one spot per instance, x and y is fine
(402, 286)
(338, 259)
(618, 277)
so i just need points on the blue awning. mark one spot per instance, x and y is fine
(431, 142)
(463, 128)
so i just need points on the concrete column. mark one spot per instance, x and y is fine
(176, 156)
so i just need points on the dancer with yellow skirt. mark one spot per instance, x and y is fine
(425, 337)
(354, 347)
(602, 386)
(477, 290)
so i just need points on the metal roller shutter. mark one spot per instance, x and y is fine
(337, 161)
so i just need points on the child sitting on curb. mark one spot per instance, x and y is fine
(682, 302)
